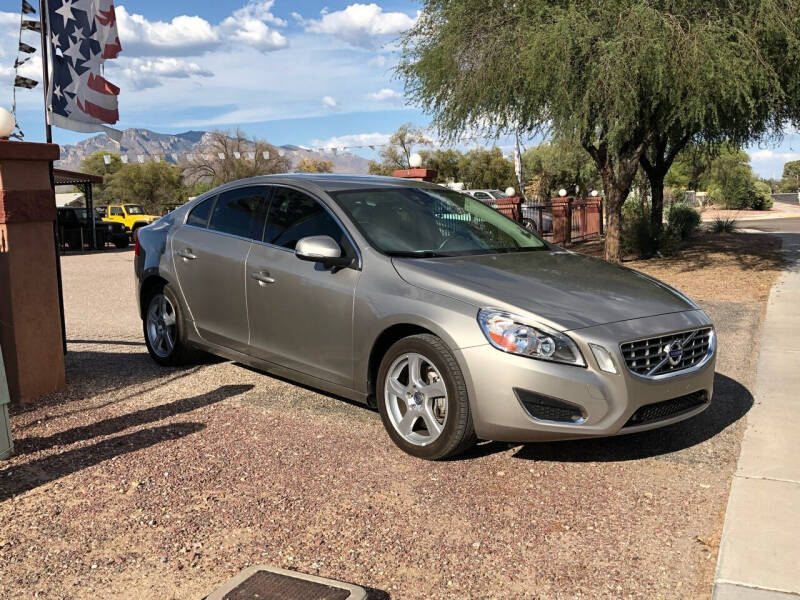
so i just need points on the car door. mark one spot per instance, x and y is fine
(210, 252)
(301, 313)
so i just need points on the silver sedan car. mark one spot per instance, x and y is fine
(456, 322)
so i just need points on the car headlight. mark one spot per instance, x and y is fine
(510, 333)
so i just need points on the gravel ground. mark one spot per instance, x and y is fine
(144, 482)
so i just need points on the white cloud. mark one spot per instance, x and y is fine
(384, 95)
(771, 155)
(330, 102)
(378, 61)
(356, 139)
(146, 74)
(364, 25)
(249, 26)
(187, 35)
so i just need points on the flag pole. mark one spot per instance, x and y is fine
(49, 138)
(45, 67)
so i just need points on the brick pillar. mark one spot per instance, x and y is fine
(594, 217)
(30, 320)
(416, 174)
(562, 220)
(510, 207)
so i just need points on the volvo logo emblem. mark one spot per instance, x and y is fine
(674, 352)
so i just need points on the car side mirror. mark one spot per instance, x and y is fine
(321, 249)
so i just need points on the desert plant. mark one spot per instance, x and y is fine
(683, 219)
(720, 225)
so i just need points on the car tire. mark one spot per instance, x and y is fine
(457, 432)
(122, 242)
(530, 224)
(173, 350)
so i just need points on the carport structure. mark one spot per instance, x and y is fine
(84, 182)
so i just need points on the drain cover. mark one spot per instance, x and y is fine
(268, 583)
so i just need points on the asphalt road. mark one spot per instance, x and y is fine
(786, 225)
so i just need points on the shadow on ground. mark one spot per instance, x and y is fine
(731, 402)
(122, 422)
(23, 478)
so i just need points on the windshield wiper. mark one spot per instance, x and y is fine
(415, 254)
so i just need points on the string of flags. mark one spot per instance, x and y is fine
(195, 157)
(24, 53)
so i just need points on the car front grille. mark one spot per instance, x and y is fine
(661, 411)
(668, 354)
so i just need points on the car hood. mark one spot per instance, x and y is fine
(569, 291)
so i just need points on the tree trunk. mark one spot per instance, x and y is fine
(657, 205)
(614, 200)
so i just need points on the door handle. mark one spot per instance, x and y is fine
(262, 277)
(186, 254)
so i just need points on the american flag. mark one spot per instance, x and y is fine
(83, 35)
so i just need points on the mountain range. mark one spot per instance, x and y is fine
(150, 143)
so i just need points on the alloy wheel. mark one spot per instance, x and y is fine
(416, 399)
(161, 325)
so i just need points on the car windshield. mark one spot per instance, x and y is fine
(423, 222)
(134, 209)
(497, 194)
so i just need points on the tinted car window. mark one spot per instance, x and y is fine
(200, 213)
(240, 212)
(117, 211)
(294, 215)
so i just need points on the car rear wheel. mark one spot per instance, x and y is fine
(164, 329)
(122, 242)
(422, 399)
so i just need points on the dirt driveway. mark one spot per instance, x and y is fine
(143, 482)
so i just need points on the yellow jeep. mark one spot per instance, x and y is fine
(132, 216)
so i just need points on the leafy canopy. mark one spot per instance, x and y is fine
(608, 70)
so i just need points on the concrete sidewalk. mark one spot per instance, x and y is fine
(759, 556)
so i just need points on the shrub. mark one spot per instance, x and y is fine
(638, 236)
(670, 241)
(716, 197)
(683, 219)
(721, 225)
(762, 196)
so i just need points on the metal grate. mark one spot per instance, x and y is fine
(669, 353)
(265, 585)
(661, 411)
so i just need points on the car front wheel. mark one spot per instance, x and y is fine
(422, 399)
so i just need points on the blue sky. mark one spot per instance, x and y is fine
(289, 71)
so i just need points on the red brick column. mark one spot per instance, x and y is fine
(562, 220)
(594, 218)
(30, 320)
(416, 174)
(510, 207)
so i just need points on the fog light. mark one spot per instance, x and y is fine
(603, 358)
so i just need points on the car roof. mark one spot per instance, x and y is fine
(333, 182)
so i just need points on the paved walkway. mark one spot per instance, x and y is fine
(759, 557)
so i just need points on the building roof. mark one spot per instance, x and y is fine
(64, 177)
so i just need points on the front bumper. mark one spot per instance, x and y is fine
(606, 401)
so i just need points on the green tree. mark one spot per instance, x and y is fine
(616, 77)
(95, 164)
(311, 165)
(791, 177)
(731, 174)
(486, 169)
(232, 156)
(154, 185)
(397, 153)
(556, 165)
(444, 161)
